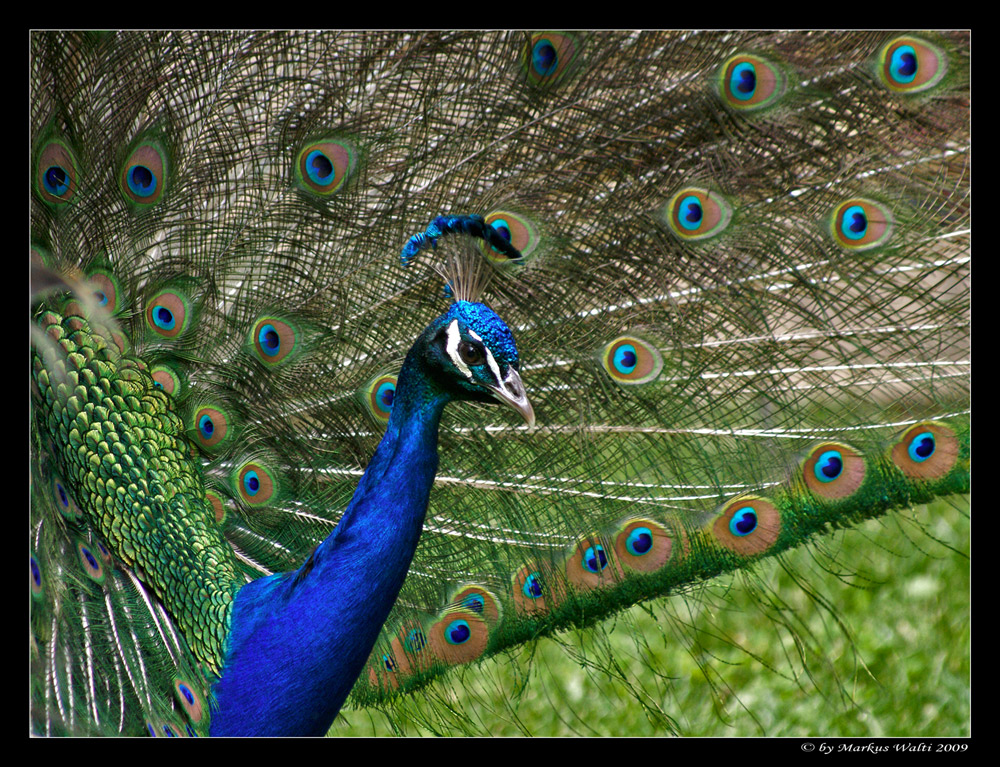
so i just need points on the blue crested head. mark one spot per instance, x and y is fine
(471, 354)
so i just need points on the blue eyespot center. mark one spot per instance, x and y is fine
(251, 482)
(625, 359)
(829, 466)
(141, 180)
(544, 57)
(36, 571)
(389, 663)
(62, 495)
(319, 167)
(188, 696)
(532, 586)
(744, 521)
(475, 603)
(90, 558)
(743, 81)
(639, 541)
(903, 65)
(385, 395)
(56, 180)
(458, 632)
(691, 212)
(206, 427)
(270, 341)
(163, 318)
(855, 223)
(503, 229)
(594, 559)
(922, 447)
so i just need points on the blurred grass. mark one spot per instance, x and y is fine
(863, 633)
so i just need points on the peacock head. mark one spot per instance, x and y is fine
(471, 354)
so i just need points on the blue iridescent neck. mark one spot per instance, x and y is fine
(299, 640)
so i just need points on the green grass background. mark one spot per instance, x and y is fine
(863, 633)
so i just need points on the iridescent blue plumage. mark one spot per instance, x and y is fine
(298, 641)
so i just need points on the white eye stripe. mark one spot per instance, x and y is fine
(454, 339)
(494, 368)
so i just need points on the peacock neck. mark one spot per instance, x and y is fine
(299, 640)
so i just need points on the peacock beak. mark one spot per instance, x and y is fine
(511, 392)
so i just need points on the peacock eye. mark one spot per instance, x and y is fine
(470, 353)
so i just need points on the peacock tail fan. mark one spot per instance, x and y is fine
(738, 276)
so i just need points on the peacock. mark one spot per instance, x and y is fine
(720, 280)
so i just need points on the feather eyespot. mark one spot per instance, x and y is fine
(697, 214)
(106, 290)
(168, 313)
(35, 577)
(911, 65)
(458, 637)
(378, 396)
(927, 450)
(860, 224)
(833, 471)
(479, 601)
(549, 56)
(323, 166)
(643, 545)
(747, 526)
(591, 565)
(532, 590)
(273, 340)
(57, 174)
(189, 699)
(92, 565)
(255, 484)
(64, 501)
(168, 380)
(211, 426)
(143, 177)
(385, 671)
(520, 231)
(748, 82)
(630, 360)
